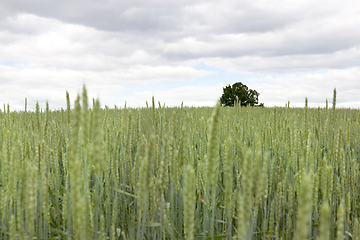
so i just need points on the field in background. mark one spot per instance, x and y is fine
(175, 173)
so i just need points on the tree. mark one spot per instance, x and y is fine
(239, 92)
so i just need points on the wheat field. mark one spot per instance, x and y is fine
(179, 173)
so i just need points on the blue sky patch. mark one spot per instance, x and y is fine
(10, 63)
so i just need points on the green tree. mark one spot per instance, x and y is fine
(239, 92)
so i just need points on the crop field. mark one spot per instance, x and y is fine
(179, 173)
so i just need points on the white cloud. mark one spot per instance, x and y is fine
(316, 87)
(190, 95)
(40, 84)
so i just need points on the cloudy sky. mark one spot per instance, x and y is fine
(179, 51)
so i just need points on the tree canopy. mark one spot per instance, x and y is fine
(239, 92)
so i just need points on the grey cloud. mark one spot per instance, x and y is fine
(105, 15)
(183, 15)
(254, 36)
